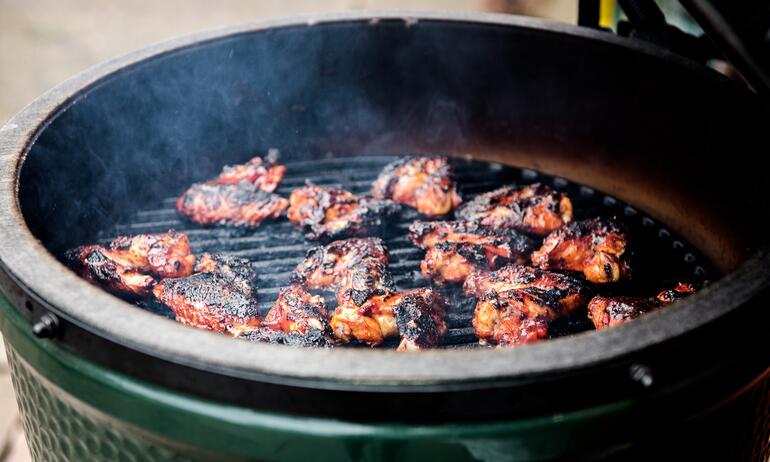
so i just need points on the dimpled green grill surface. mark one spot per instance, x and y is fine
(58, 431)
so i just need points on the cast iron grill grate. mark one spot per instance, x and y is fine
(275, 248)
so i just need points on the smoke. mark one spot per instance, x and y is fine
(148, 131)
(353, 88)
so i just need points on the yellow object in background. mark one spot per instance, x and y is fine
(608, 14)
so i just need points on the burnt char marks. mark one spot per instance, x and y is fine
(234, 269)
(332, 266)
(94, 265)
(325, 214)
(534, 209)
(426, 234)
(313, 338)
(516, 304)
(456, 248)
(209, 301)
(420, 319)
(298, 315)
(128, 265)
(607, 312)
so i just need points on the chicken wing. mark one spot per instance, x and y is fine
(418, 315)
(607, 312)
(595, 247)
(264, 174)
(128, 264)
(455, 248)
(331, 213)
(560, 291)
(209, 301)
(301, 315)
(534, 209)
(236, 204)
(94, 263)
(331, 266)
(425, 183)
(516, 304)
(510, 318)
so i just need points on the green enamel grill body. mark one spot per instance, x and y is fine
(74, 410)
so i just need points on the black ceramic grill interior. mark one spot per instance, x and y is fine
(659, 259)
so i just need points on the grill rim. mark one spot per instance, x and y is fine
(49, 286)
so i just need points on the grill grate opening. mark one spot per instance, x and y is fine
(660, 258)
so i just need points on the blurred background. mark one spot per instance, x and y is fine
(43, 42)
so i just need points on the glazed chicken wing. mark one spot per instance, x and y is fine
(94, 263)
(455, 248)
(594, 247)
(330, 213)
(264, 174)
(302, 318)
(510, 318)
(416, 314)
(425, 183)
(607, 312)
(236, 204)
(516, 304)
(128, 264)
(534, 209)
(332, 266)
(209, 301)
(370, 322)
(562, 291)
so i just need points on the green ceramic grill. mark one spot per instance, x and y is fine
(509, 100)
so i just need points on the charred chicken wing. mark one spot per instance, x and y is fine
(594, 247)
(516, 304)
(209, 301)
(416, 314)
(534, 209)
(236, 204)
(300, 315)
(95, 264)
(128, 263)
(330, 213)
(607, 312)
(264, 174)
(455, 248)
(370, 322)
(332, 266)
(420, 319)
(510, 318)
(235, 270)
(425, 183)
